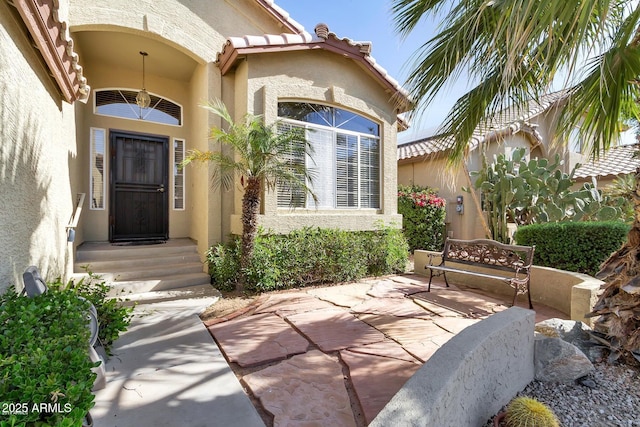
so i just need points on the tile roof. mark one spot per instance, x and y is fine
(508, 121)
(618, 160)
(282, 15)
(323, 39)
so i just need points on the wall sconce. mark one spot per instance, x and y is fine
(460, 205)
(143, 100)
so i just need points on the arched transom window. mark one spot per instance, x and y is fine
(122, 103)
(345, 159)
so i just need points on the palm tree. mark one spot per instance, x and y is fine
(513, 51)
(263, 155)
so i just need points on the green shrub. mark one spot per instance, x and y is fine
(45, 371)
(573, 246)
(113, 317)
(309, 256)
(423, 215)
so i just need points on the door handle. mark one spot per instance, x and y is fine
(161, 189)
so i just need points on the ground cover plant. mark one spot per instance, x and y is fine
(423, 214)
(309, 256)
(45, 370)
(113, 316)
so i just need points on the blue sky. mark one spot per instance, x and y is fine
(371, 20)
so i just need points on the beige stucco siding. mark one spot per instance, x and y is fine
(198, 28)
(326, 78)
(37, 141)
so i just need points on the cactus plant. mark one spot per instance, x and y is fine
(536, 190)
(525, 411)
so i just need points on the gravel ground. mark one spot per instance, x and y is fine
(614, 400)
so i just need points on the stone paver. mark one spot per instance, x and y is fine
(376, 379)
(258, 339)
(344, 295)
(387, 348)
(381, 329)
(307, 390)
(392, 307)
(453, 324)
(404, 330)
(393, 289)
(292, 302)
(334, 329)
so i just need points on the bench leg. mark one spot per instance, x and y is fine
(444, 273)
(529, 295)
(430, 277)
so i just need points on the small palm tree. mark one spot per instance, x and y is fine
(262, 157)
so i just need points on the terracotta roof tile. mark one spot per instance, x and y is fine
(617, 161)
(359, 51)
(511, 120)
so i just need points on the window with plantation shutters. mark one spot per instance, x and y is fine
(178, 174)
(345, 158)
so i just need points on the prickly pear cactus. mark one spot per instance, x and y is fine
(525, 411)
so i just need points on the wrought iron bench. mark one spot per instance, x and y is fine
(489, 254)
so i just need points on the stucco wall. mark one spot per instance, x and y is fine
(470, 377)
(199, 28)
(37, 140)
(326, 78)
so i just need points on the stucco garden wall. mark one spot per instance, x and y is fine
(470, 377)
(574, 294)
(37, 141)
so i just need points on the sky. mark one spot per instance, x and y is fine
(371, 20)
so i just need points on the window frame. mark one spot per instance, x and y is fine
(308, 203)
(181, 175)
(95, 106)
(92, 163)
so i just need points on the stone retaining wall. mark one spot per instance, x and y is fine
(469, 378)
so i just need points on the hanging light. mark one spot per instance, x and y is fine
(143, 100)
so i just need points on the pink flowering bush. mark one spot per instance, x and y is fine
(423, 214)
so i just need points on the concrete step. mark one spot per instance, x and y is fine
(189, 292)
(101, 266)
(103, 251)
(149, 272)
(126, 288)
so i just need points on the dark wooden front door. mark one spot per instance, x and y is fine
(139, 208)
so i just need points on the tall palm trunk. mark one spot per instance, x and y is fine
(619, 304)
(250, 209)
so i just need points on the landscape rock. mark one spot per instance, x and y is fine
(556, 360)
(573, 332)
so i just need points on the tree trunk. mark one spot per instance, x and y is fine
(619, 303)
(250, 209)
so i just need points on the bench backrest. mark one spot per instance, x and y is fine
(488, 253)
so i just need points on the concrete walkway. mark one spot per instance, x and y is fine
(167, 371)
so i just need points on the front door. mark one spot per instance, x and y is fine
(139, 208)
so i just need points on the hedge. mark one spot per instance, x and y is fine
(309, 256)
(573, 246)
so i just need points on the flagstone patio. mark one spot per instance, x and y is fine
(336, 355)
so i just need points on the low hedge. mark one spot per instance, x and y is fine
(45, 370)
(310, 256)
(573, 246)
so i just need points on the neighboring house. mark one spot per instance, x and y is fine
(125, 158)
(423, 162)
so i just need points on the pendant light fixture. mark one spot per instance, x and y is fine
(143, 100)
